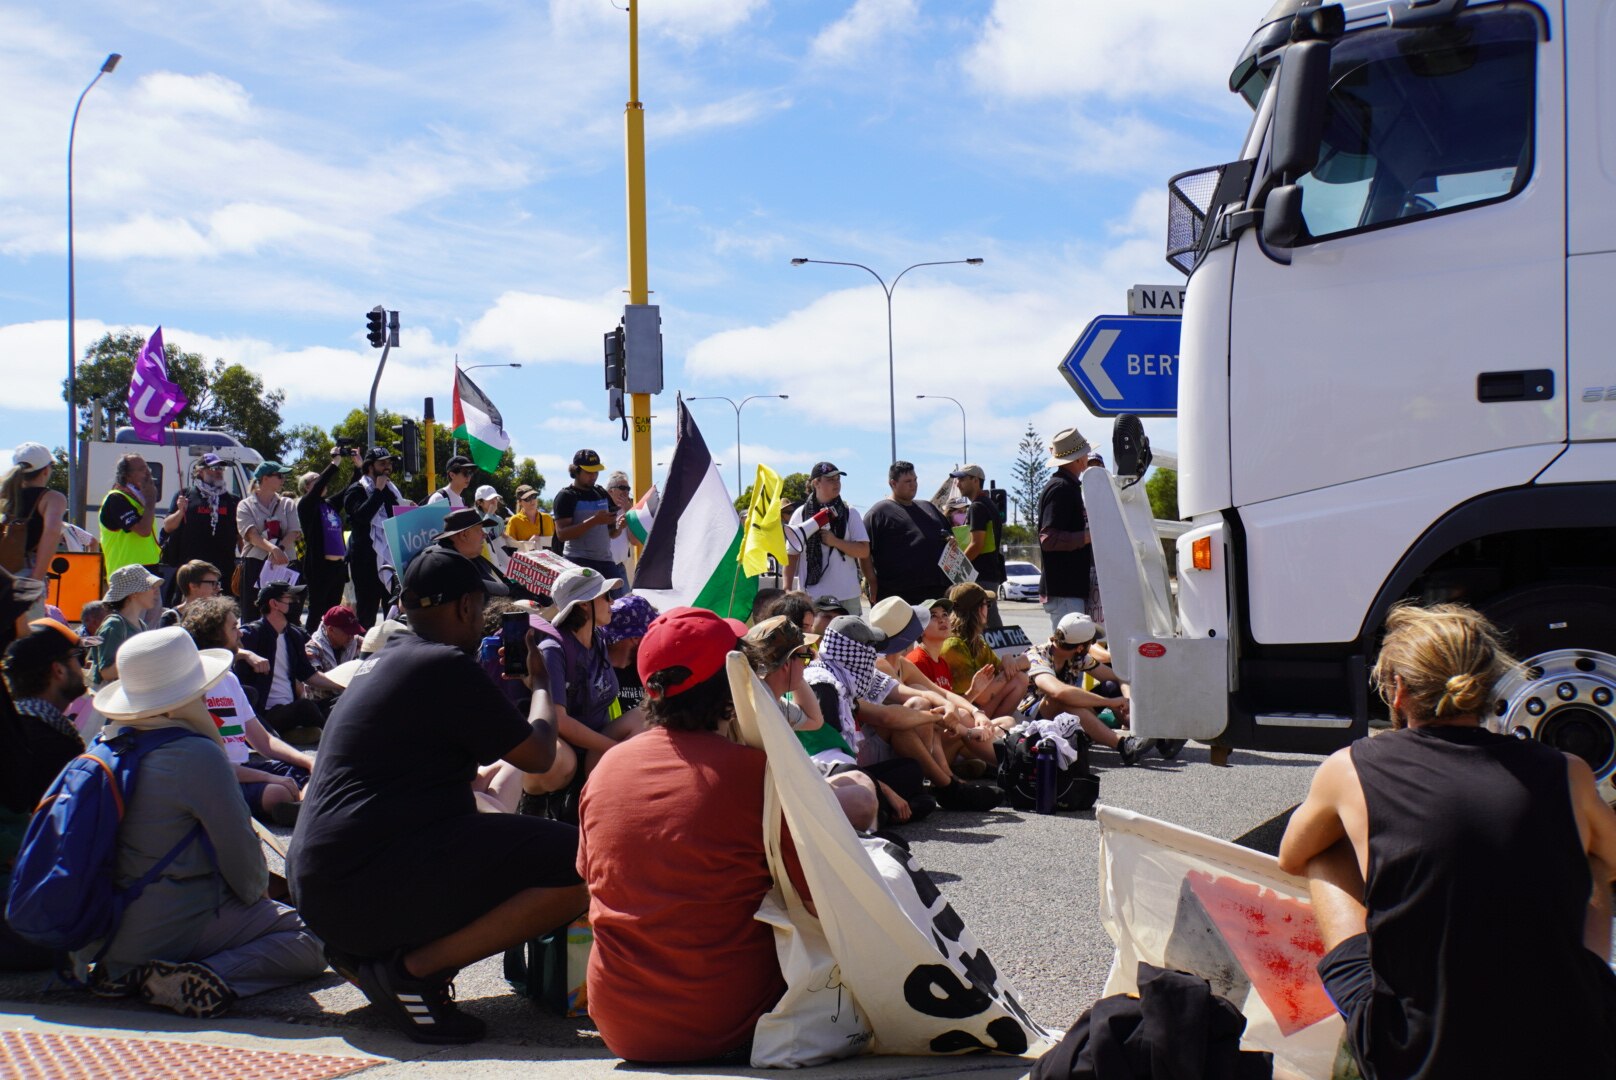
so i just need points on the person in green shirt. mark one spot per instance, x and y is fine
(966, 652)
(131, 592)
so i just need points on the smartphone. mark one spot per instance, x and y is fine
(513, 627)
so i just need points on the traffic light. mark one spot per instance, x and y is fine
(409, 446)
(375, 327)
(614, 373)
(1001, 500)
(392, 329)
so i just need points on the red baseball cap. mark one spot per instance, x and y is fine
(343, 618)
(687, 637)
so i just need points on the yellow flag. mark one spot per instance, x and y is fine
(764, 535)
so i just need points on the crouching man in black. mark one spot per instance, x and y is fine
(404, 879)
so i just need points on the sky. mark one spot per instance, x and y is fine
(257, 174)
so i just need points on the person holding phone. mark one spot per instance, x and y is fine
(325, 552)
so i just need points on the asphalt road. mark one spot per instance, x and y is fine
(1024, 884)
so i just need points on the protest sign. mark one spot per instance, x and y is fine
(1007, 641)
(411, 529)
(536, 570)
(955, 565)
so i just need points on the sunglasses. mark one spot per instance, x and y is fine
(1070, 645)
(618, 487)
(805, 655)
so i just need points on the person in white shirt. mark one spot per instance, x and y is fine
(826, 539)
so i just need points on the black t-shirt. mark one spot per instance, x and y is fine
(984, 518)
(1060, 507)
(630, 690)
(119, 512)
(905, 544)
(207, 533)
(399, 753)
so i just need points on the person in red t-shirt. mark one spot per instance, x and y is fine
(671, 847)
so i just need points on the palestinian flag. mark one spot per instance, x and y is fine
(642, 514)
(692, 556)
(479, 423)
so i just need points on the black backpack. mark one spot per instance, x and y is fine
(1076, 787)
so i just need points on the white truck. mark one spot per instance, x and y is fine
(1396, 378)
(180, 445)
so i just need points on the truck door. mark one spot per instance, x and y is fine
(1422, 315)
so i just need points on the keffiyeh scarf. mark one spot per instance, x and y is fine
(848, 667)
(813, 548)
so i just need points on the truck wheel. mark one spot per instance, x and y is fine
(1564, 695)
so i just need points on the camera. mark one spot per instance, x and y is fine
(346, 444)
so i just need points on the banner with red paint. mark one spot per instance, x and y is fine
(1181, 899)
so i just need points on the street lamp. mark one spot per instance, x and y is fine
(965, 446)
(454, 443)
(892, 392)
(73, 493)
(739, 488)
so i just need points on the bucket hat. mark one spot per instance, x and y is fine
(577, 585)
(126, 581)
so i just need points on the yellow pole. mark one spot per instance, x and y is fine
(431, 458)
(639, 289)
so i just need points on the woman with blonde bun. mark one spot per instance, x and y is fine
(1460, 877)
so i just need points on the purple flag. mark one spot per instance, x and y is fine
(153, 400)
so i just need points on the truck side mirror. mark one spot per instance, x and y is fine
(1299, 109)
(1282, 216)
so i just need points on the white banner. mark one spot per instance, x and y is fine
(1183, 900)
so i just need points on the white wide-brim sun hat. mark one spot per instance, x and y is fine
(158, 671)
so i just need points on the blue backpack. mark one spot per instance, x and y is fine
(62, 893)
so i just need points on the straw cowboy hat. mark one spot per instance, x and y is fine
(1067, 447)
(895, 618)
(161, 671)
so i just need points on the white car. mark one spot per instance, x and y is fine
(1020, 582)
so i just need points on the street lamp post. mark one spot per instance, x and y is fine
(965, 446)
(739, 488)
(454, 443)
(73, 494)
(892, 391)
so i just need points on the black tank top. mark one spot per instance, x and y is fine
(1478, 887)
(27, 503)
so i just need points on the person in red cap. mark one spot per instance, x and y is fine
(336, 640)
(671, 847)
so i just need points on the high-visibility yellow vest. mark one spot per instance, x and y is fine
(120, 548)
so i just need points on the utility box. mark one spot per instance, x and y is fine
(642, 348)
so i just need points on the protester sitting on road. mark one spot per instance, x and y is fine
(195, 580)
(586, 518)
(407, 882)
(202, 525)
(827, 609)
(91, 616)
(968, 733)
(325, 550)
(529, 526)
(826, 541)
(880, 717)
(796, 606)
(335, 641)
(44, 675)
(967, 652)
(671, 847)
(778, 651)
(587, 690)
(1450, 866)
(1057, 672)
(462, 531)
(763, 604)
(280, 695)
(25, 497)
(131, 592)
(631, 618)
(271, 772)
(269, 530)
(202, 934)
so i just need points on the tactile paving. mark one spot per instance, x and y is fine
(36, 1055)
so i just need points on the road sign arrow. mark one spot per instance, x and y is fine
(1093, 364)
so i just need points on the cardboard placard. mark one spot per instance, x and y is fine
(536, 570)
(955, 565)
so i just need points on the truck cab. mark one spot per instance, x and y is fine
(181, 446)
(1394, 378)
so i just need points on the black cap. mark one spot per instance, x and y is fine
(38, 649)
(459, 461)
(829, 604)
(824, 468)
(587, 459)
(280, 590)
(437, 576)
(378, 453)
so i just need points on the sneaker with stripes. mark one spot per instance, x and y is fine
(423, 1008)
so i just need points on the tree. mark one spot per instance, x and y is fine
(223, 397)
(504, 479)
(1028, 475)
(527, 472)
(793, 489)
(1162, 487)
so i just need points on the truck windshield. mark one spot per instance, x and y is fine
(1424, 121)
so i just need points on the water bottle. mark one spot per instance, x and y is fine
(1046, 768)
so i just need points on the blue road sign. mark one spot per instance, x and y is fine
(1126, 364)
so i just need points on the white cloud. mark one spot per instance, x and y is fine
(544, 329)
(1145, 50)
(183, 95)
(686, 21)
(863, 26)
(681, 120)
